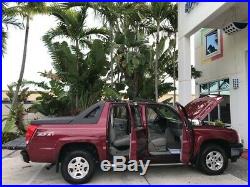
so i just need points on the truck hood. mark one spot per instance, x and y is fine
(200, 107)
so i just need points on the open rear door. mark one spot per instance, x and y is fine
(138, 134)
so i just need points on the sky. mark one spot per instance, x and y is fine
(38, 59)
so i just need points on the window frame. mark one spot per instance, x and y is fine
(218, 51)
(115, 104)
(138, 108)
(164, 105)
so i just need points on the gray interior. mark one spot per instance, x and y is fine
(118, 133)
(119, 136)
(163, 141)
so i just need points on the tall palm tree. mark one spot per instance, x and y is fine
(172, 30)
(27, 11)
(71, 26)
(110, 14)
(158, 11)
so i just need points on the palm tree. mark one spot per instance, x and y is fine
(110, 14)
(173, 18)
(26, 10)
(171, 28)
(8, 19)
(71, 26)
(158, 11)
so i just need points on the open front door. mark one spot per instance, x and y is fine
(186, 138)
(186, 144)
(138, 143)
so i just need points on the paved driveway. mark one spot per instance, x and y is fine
(15, 171)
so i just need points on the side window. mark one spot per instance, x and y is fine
(119, 119)
(171, 116)
(151, 115)
(137, 115)
(93, 113)
(120, 112)
(163, 116)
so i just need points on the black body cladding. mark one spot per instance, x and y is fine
(89, 116)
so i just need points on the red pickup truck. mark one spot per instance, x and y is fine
(136, 130)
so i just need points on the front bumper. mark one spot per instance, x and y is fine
(236, 151)
(25, 156)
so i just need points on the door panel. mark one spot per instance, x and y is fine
(187, 136)
(186, 145)
(138, 133)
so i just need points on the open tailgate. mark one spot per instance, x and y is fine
(16, 144)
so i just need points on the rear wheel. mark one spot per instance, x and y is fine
(213, 160)
(78, 167)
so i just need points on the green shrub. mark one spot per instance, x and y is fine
(219, 123)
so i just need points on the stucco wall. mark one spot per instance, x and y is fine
(188, 22)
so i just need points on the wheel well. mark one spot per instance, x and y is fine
(222, 143)
(78, 146)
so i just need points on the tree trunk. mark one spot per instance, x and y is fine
(19, 82)
(77, 69)
(174, 74)
(111, 57)
(156, 60)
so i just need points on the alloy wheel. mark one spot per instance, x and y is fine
(78, 167)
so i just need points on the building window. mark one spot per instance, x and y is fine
(212, 43)
(222, 111)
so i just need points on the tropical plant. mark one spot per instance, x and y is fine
(133, 54)
(9, 18)
(161, 20)
(157, 15)
(83, 77)
(14, 121)
(71, 27)
(57, 96)
(110, 14)
(53, 99)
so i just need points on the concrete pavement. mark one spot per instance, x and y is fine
(15, 171)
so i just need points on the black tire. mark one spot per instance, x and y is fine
(204, 155)
(68, 157)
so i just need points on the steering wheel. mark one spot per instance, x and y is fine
(157, 119)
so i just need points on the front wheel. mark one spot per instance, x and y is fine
(213, 160)
(78, 167)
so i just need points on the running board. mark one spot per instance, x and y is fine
(175, 151)
(169, 152)
(160, 153)
(169, 164)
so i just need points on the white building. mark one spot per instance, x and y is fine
(221, 53)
